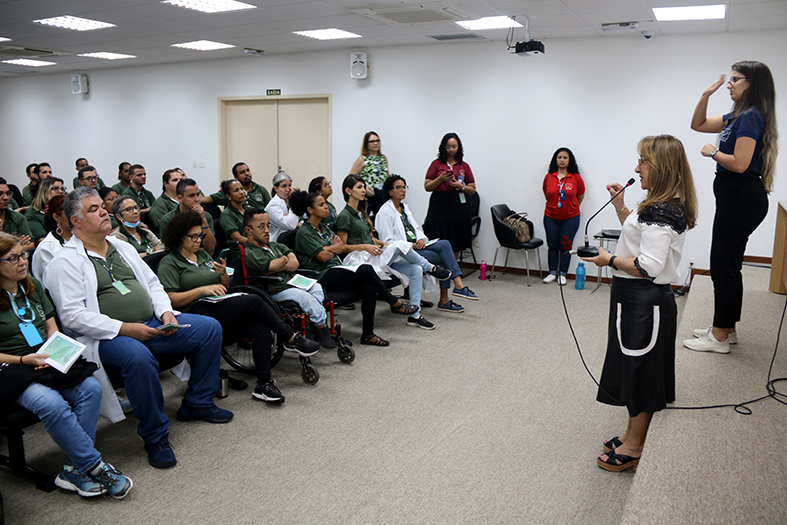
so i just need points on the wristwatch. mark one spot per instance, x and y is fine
(712, 153)
(612, 262)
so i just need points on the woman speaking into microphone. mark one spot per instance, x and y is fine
(639, 367)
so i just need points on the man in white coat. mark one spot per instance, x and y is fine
(110, 300)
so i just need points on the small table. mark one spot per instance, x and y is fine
(605, 238)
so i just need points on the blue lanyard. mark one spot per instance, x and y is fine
(22, 311)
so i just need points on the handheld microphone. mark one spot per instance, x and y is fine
(592, 251)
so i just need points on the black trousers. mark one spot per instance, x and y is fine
(367, 283)
(741, 206)
(248, 316)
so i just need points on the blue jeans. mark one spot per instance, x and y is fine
(201, 343)
(413, 266)
(70, 417)
(310, 301)
(560, 237)
(441, 253)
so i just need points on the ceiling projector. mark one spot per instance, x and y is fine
(529, 48)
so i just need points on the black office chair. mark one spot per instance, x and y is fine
(507, 239)
(12, 425)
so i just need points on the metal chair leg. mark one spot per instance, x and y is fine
(527, 266)
(495, 259)
(506, 263)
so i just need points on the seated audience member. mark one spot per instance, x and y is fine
(282, 218)
(137, 190)
(127, 212)
(232, 217)
(188, 273)
(395, 222)
(323, 186)
(87, 176)
(124, 178)
(29, 191)
(59, 233)
(11, 221)
(111, 301)
(70, 413)
(256, 196)
(47, 189)
(271, 258)
(317, 248)
(355, 229)
(108, 195)
(187, 195)
(168, 200)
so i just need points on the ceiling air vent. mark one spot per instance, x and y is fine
(457, 36)
(419, 13)
(19, 72)
(7, 51)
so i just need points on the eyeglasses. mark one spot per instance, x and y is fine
(59, 189)
(326, 184)
(130, 209)
(14, 259)
(8, 193)
(734, 80)
(641, 161)
(197, 237)
(263, 227)
(90, 179)
(401, 187)
(375, 141)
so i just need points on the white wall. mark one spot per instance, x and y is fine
(596, 96)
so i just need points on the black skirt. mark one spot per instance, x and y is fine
(639, 368)
(449, 219)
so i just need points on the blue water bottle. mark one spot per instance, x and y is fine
(579, 284)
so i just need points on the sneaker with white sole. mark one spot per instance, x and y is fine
(466, 293)
(551, 278)
(302, 346)
(420, 322)
(268, 392)
(562, 280)
(732, 337)
(112, 480)
(439, 273)
(707, 343)
(71, 479)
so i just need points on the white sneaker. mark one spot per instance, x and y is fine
(732, 337)
(707, 343)
(562, 280)
(551, 278)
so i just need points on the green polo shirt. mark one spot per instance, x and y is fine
(13, 341)
(178, 274)
(133, 307)
(120, 188)
(28, 194)
(353, 222)
(12, 204)
(232, 221)
(98, 187)
(257, 197)
(309, 242)
(16, 224)
(163, 205)
(37, 223)
(258, 262)
(168, 217)
(144, 198)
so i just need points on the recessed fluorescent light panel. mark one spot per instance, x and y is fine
(107, 56)
(73, 22)
(327, 34)
(28, 62)
(210, 6)
(4, 39)
(489, 22)
(692, 12)
(203, 45)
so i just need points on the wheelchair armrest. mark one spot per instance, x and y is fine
(232, 244)
(264, 280)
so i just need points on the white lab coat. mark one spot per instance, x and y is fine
(71, 280)
(282, 217)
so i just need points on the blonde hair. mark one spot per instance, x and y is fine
(670, 175)
(42, 193)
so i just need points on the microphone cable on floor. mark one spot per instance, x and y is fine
(740, 408)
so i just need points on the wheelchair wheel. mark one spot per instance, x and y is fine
(310, 375)
(241, 359)
(345, 353)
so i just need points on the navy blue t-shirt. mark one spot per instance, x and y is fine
(748, 124)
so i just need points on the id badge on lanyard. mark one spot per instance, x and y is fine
(26, 327)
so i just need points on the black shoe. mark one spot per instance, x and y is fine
(420, 322)
(324, 335)
(302, 346)
(160, 454)
(268, 392)
(438, 272)
(427, 304)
